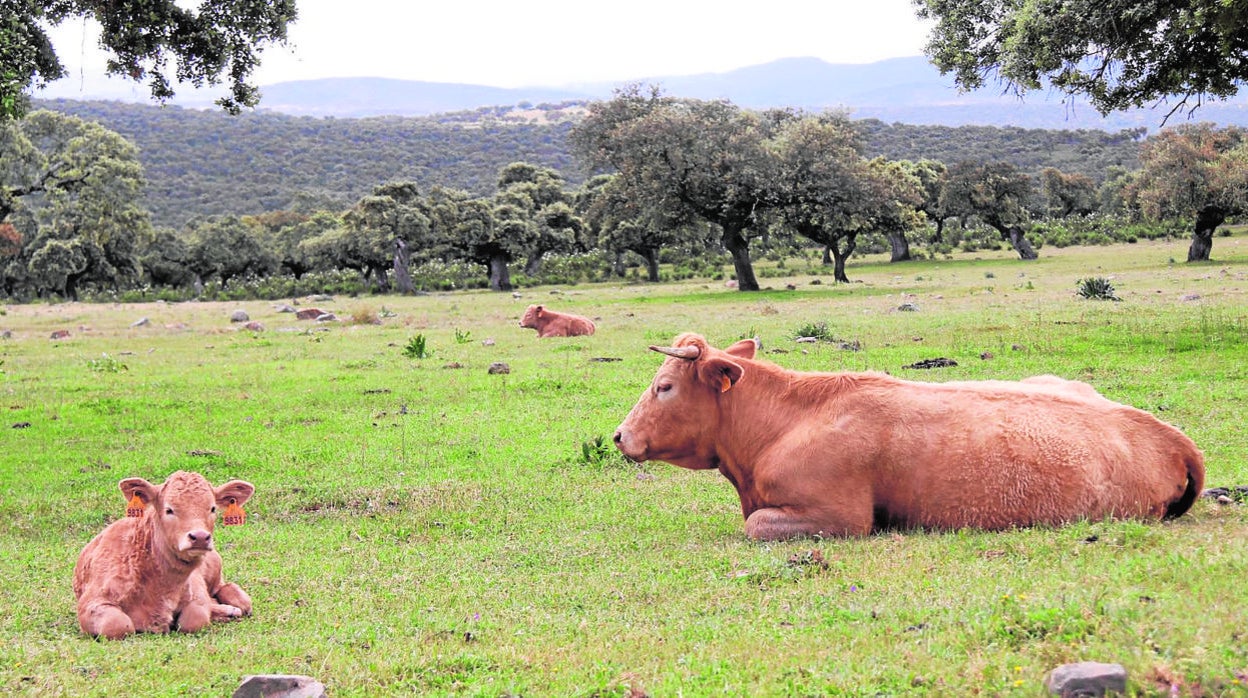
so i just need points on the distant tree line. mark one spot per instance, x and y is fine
(688, 182)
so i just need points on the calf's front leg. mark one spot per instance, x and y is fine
(232, 602)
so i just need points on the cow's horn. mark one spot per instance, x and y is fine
(688, 351)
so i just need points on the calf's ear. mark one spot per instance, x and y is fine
(233, 492)
(720, 372)
(133, 487)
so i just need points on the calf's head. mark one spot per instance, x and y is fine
(183, 510)
(676, 419)
(531, 315)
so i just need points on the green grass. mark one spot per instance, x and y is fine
(421, 529)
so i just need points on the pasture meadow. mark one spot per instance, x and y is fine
(423, 527)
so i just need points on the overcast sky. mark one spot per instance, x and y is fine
(512, 43)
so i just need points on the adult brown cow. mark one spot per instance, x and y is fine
(158, 570)
(550, 323)
(849, 453)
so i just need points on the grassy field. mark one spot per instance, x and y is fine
(422, 527)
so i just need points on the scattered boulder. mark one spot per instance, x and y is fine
(1188, 298)
(60, 334)
(254, 326)
(284, 308)
(908, 307)
(6, 334)
(321, 298)
(239, 316)
(499, 368)
(941, 362)
(730, 283)
(1087, 680)
(806, 340)
(308, 313)
(326, 317)
(986, 355)
(280, 686)
(141, 322)
(487, 342)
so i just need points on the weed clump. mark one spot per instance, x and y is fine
(417, 348)
(1096, 288)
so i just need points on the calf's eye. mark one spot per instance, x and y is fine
(168, 511)
(214, 509)
(663, 387)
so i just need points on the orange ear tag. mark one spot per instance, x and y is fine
(724, 384)
(233, 515)
(134, 508)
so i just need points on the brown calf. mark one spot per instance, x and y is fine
(550, 323)
(850, 453)
(158, 571)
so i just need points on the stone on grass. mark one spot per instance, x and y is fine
(141, 322)
(1087, 680)
(239, 316)
(499, 367)
(254, 326)
(284, 308)
(309, 313)
(280, 686)
(60, 334)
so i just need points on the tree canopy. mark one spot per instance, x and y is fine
(157, 41)
(1117, 53)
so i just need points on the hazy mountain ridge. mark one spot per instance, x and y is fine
(902, 90)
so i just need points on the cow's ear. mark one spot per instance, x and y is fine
(721, 373)
(133, 487)
(233, 492)
(539, 310)
(744, 349)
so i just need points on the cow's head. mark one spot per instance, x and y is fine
(676, 419)
(531, 315)
(183, 510)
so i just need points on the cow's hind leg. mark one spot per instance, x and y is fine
(105, 620)
(782, 523)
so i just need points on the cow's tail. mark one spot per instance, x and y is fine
(1195, 481)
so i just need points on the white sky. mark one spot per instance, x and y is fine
(518, 43)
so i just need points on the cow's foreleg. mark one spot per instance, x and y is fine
(231, 596)
(194, 617)
(105, 620)
(782, 523)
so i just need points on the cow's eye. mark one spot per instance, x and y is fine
(214, 509)
(168, 511)
(662, 387)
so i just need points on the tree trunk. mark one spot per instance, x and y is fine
(1207, 221)
(651, 256)
(534, 266)
(739, 248)
(827, 255)
(617, 266)
(900, 245)
(500, 276)
(1018, 241)
(940, 231)
(402, 277)
(839, 255)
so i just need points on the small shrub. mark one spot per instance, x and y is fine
(417, 348)
(365, 315)
(1096, 288)
(462, 336)
(818, 330)
(106, 364)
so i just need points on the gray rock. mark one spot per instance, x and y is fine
(326, 317)
(284, 308)
(499, 367)
(280, 686)
(141, 322)
(239, 316)
(1087, 680)
(908, 307)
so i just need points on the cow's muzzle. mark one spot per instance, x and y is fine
(628, 446)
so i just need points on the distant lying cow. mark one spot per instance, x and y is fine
(846, 454)
(159, 571)
(550, 323)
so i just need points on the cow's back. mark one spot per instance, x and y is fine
(994, 455)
